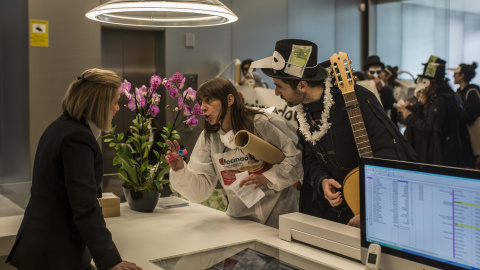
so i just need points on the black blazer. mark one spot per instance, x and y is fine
(63, 214)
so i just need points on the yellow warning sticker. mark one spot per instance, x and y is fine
(38, 33)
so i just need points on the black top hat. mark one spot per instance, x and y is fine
(434, 69)
(373, 60)
(287, 50)
(435, 59)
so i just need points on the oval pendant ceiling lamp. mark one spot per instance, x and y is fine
(169, 13)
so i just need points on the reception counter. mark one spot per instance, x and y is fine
(167, 233)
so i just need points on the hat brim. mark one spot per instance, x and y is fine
(433, 79)
(374, 64)
(321, 74)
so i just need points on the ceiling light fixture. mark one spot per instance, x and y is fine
(170, 13)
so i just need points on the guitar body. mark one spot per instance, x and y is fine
(346, 83)
(351, 190)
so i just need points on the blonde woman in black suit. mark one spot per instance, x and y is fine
(63, 226)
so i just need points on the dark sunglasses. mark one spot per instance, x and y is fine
(372, 72)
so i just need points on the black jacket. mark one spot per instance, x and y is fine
(441, 131)
(63, 214)
(335, 154)
(470, 103)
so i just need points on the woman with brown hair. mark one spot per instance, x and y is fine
(63, 226)
(216, 158)
(438, 121)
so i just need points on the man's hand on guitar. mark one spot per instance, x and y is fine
(333, 196)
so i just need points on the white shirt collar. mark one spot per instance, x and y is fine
(95, 130)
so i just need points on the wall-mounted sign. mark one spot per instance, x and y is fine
(38, 33)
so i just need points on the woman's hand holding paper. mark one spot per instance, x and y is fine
(258, 179)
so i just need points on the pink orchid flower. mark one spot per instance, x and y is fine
(187, 111)
(182, 83)
(155, 81)
(156, 98)
(153, 111)
(174, 92)
(192, 121)
(190, 94)
(181, 105)
(169, 85)
(177, 77)
(197, 110)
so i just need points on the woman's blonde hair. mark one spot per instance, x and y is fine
(91, 96)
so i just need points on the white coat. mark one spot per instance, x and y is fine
(197, 180)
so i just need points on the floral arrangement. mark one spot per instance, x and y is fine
(133, 151)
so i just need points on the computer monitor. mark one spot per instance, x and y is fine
(423, 216)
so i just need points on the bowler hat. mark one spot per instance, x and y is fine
(373, 60)
(292, 59)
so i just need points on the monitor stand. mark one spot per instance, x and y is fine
(321, 233)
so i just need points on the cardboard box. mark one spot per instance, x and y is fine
(110, 204)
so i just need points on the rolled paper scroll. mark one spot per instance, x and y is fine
(257, 147)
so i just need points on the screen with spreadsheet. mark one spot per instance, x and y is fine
(424, 212)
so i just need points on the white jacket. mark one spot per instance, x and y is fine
(197, 180)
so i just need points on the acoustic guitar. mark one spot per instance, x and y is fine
(345, 81)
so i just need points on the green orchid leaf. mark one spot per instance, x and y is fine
(146, 144)
(163, 171)
(108, 140)
(129, 169)
(164, 181)
(120, 137)
(145, 154)
(134, 128)
(144, 166)
(157, 184)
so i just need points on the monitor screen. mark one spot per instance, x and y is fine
(422, 213)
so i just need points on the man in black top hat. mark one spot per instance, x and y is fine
(436, 124)
(330, 151)
(373, 69)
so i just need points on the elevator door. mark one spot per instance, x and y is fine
(134, 55)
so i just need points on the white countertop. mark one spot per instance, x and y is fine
(141, 237)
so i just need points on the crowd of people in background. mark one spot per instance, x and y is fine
(435, 120)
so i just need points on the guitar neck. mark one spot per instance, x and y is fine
(357, 124)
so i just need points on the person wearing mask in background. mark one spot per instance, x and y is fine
(470, 98)
(63, 226)
(389, 77)
(374, 69)
(251, 78)
(330, 151)
(439, 121)
(216, 157)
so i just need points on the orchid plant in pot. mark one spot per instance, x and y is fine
(143, 180)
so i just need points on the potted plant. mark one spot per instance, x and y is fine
(143, 180)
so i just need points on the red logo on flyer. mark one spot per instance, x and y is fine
(221, 161)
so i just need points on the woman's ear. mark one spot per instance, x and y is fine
(230, 99)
